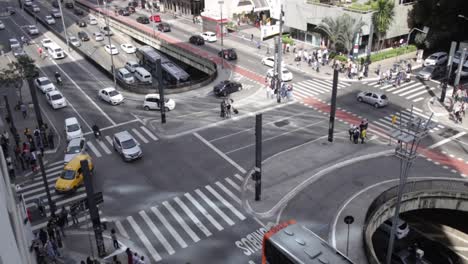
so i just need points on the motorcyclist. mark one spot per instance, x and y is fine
(96, 130)
(58, 77)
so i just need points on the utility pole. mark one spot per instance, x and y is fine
(63, 24)
(453, 46)
(221, 29)
(161, 90)
(331, 124)
(460, 66)
(106, 18)
(257, 174)
(46, 185)
(279, 58)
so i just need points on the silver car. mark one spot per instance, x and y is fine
(74, 147)
(375, 99)
(127, 146)
(430, 72)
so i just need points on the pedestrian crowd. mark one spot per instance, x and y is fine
(358, 132)
(285, 90)
(227, 108)
(460, 99)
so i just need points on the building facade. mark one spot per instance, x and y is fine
(183, 7)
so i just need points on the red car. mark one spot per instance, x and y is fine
(155, 18)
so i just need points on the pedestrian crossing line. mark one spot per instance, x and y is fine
(226, 203)
(81, 221)
(226, 190)
(304, 93)
(151, 135)
(59, 167)
(32, 198)
(383, 125)
(315, 86)
(121, 229)
(109, 140)
(181, 221)
(157, 233)
(405, 88)
(144, 239)
(169, 228)
(233, 184)
(215, 208)
(329, 85)
(60, 162)
(421, 92)
(26, 189)
(194, 218)
(239, 177)
(104, 147)
(385, 86)
(413, 90)
(140, 135)
(63, 202)
(93, 149)
(311, 89)
(418, 99)
(204, 212)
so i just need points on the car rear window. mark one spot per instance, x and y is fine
(383, 96)
(128, 144)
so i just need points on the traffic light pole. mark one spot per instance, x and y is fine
(331, 125)
(453, 46)
(258, 157)
(279, 58)
(161, 90)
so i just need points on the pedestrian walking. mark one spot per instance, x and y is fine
(114, 239)
(351, 132)
(33, 162)
(223, 110)
(289, 92)
(24, 110)
(251, 37)
(356, 135)
(363, 135)
(51, 253)
(115, 260)
(43, 236)
(135, 258)
(11, 168)
(142, 260)
(74, 214)
(129, 256)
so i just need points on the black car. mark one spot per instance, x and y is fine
(226, 87)
(228, 54)
(197, 40)
(81, 23)
(164, 27)
(130, 9)
(83, 36)
(10, 10)
(69, 5)
(124, 12)
(78, 12)
(143, 20)
(55, 4)
(133, 4)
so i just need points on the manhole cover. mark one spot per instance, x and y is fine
(282, 123)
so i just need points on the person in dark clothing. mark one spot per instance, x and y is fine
(356, 136)
(114, 239)
(351, 132)
(43, 236)
(89, 261)
(64, 215)
(129, 256)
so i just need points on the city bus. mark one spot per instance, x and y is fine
(292, 243)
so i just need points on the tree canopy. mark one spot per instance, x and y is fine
(341, 30)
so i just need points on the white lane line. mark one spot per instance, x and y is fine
(63, 202)
(398, 90)
(239, 177)
(194, 218)
(233, 163)
(204, 212)
(140, 135)
(233, 184)
(104, 147)
(181, 221)
(418, 99)
(157, 233)
(251, 262)
(121, 229)
(93, 149)
(27, 190)
(32, 198)
(226, 203)
(169, 227)
(59, 167)
(421, 92)
(144, 239)
(414, 90)
(442, 142)
(228, 192)
(151, 135)
(109, 140)
(215, 208)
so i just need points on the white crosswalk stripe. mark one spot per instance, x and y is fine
(181, 221)
(314, 87)
(193, 217)
(226, 190)
(139, 135)
(143, 239)
(169, 228)
(109, 140)
(385, 123)
(104, 147)
(214, 207)
(93, 149)
(157, 233)
(121, 229)
(204, 212)
(233, 184)
(151, 135)
(226, 203)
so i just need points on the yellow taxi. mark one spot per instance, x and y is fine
(72, 176)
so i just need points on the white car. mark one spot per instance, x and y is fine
(28, 3)
(286, 75)
(111, 95)
(36, 8)
(56, 99)
(46, 42)
(92, 20)
(74, 147)
(2, 26)
(152, 101)
(270, 62)
(111, 49)
(73, 128)
(209, 36)
(44, 84)
(74, 41)
(128, 48)
(437, 58)
(50, 20)
(33, 30)
(14, 43)
(56, 13)
(98, 36)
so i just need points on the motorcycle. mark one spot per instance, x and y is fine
(97, 134)
(59, 81)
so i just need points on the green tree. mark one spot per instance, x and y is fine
(11, 77)
(382, 18)
(341, 31)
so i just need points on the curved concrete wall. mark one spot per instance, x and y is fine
(442, 194)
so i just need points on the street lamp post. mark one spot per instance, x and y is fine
(221, 30)
(110, 43)
(63, 24)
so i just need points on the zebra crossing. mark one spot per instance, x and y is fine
(413, 90)
(98, 148)
(186, 219)
(315, 87)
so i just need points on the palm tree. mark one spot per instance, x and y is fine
(341, 30)
(382, 17)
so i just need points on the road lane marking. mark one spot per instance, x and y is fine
(228, 192)
(181, 221)
(204, 212)
(224, 156)
(93, 149)
(151, 135)
(169, 227)
(157, 233)
(104, 147)
(140, 135)
(215, 208)
(421, 92)
(109, 140)
(444, 141)
(226, 203)
(233, 184)
(239, 177)
(121, 229)
(194, 218)
(144, 239)
(418, 99)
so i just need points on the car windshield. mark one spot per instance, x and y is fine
(73, 39)
(433, 57)
(56, 97)
(113, 93)
(383, 96)
(73, 127)
(126, 75)
(44, 82)
(128, 144)
(73, 150)
(68, 175)
(47, 41)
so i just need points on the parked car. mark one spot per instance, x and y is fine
(50, 20)
(226, 87)
(375, 99)
(55, 4)
(437, 58)
(14, 43)
(228, 54)
(36, 8)
(125, 76)
(73, 128)
(10, 10)
(17, 52)
(111, 49)
(127, 147)
(153, 102)
(430, 72)
(55, 13)
(128, 48)
(78, 12)
(32, 30)
(123, 12)
(197, 40)
(143, 20)
(110, 95)
(81, 23)
(164, 27)
(83, 36)
(209, 36)
(75, 147)
(69, 5)
(74, 41)
(92, 20)
(44, 84)
(55, 99)
(155, 18)
(98, 36)
(46, 42)
(286, 75)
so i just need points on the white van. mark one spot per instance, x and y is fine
(124, 75)
(55, 51)
(131, 66)
(402, 229)
(143, 75)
